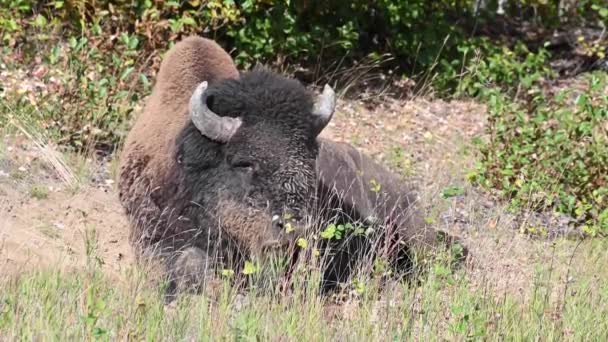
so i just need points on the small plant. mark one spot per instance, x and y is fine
(338, 232)
(227, 273)
(593, 49)
(250, 268)
(49, 231)
(302, 243)
(17, 175)
(398, 159)
(39, 192)
(452, 191)
(375, 186)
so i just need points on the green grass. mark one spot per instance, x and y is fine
(88, 305)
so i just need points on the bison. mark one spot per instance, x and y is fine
(219, 159)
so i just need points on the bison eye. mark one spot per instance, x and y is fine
(242, 164)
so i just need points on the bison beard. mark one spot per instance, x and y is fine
(251, 229)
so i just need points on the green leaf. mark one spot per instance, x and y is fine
(302, 243)
(329, 232)
(40, 21)
(452, 191)
(249, 268)
(289, 227)
(126, 73)
(188, 21)
(228, 273)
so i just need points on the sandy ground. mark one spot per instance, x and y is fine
(434, 143)
(50, 227)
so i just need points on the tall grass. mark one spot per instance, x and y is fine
(88, 305)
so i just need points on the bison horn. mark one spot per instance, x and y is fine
(323, 109)
(211, 125)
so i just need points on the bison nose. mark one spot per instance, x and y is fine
(280, 239)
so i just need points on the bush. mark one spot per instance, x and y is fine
(108, 51)
(116, 46)
(551, 153)
(489, 67)
(296, 31)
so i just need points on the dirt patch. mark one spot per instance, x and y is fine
(53, 228)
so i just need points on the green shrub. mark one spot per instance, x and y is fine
(487, 66)
(306, 32)
(102, 55)
(266, 30)
(551, 153)
(108, 51)
(92, 92)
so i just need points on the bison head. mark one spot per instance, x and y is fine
(249, 153)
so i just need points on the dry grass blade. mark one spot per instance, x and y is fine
(53, 157)
(366, 74)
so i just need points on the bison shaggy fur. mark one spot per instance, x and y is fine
(198, 203)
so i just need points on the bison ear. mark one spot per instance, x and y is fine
(323, 109)
(211, 125)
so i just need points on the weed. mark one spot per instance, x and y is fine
(17, 175)
(39, 192)
(398, 160)
(49, 231)
(452, 191)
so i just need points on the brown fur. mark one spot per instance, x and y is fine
(148, 156)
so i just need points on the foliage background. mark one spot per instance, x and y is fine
(99, 58)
